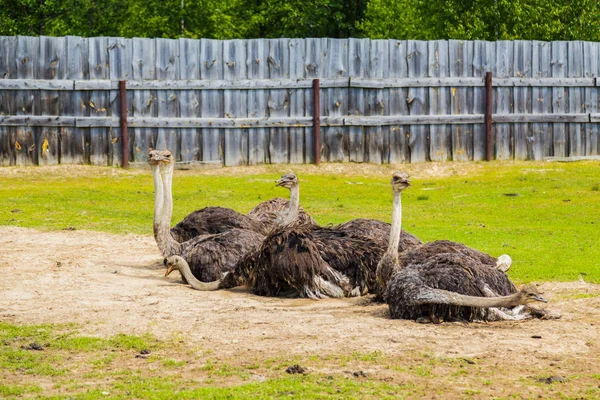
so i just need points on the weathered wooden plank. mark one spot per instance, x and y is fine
(335, 102)
(72, 139)
(37, 84)
(315, 66)
(98, 142)
(297, 51)
(211, 68)
(97, 122)
(235, 102)
(120, 57)
(555, 117)
(26, 101)
(51, 121)
(591, 52)
(504, 99)
(8, 70)
(145, 102)
(417, 100)
(374, 142)
(541, 145)
(577, 138)
(399, 150)
(258, 62)
(483, 57)
(542, 82)
(559, 98)
(189, 100)
(380, 83)
(461, 64)
(523, 136)
(278, 103)
(234, 84)
(440, 136)
(167, 68)
(97, 84)
(411, 120)
(358, 64)
(224, 123)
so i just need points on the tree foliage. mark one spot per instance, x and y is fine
(226, 19)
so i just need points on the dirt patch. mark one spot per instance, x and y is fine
(115, 284)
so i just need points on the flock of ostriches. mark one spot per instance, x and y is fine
(277, 249)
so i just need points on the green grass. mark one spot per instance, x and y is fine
(545, 215)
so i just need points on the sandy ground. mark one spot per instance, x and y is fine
(115, 284)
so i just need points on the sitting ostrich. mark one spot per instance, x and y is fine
(444, 285)
(209, 256)
(211, 220)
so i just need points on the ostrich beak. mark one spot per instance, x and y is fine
(279, 182)
(539, 297)
(169, 270)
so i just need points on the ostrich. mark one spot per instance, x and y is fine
(209, 256)
(268, 212)
(443, 285)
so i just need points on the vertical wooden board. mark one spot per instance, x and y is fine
(27, 101)
(522, 133)
(297, 51)
(504, 99)
(483, 57)
(316, 61)
(440, 136)
(461, 65)
(559, 101)
(8, 70)
(211, 67)
(576, 99)
(235, 102)
(418, 103)
(541, 100)
(335, 102)
(98, 141)
(591, 68)
(278, 102)
(358, 64)
(189, 100)
(72, 140)
(120, 61)
(144, 101)
(167, 68)
(376, 102)
(258, 60)
(399, 150)
(52, 65)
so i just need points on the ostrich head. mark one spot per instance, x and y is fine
(158, 157)
(529, 294)
(173, 264)
(400, 181)
(287, 181)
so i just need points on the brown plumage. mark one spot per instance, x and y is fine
(268, 211)
(443, 280)
(379, 232)
(310, 262)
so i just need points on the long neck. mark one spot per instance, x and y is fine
(439, 296)
(163, 210)
(186, 272)
(292, 213)
(396, 229)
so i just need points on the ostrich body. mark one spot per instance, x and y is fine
(379, 232)
(209, 256)
(269, 211)
(443, 285)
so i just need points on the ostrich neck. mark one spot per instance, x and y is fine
(439, 296)
(163, 210)
(396, 229)
(186, 272)
(292, 213)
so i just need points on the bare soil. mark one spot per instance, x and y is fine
(115, 284)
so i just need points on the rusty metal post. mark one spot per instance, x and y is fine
(317, 119)
(123, 124)
(488, 116)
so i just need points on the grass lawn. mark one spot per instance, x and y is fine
(545, 215)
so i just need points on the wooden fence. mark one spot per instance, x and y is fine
(240, 102)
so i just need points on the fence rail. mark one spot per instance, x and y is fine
(252, 101)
